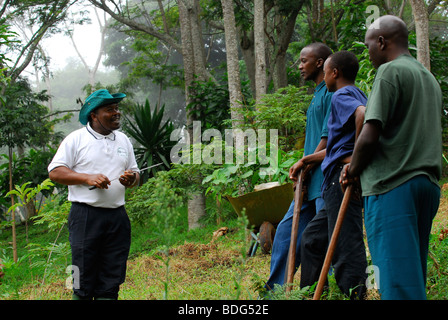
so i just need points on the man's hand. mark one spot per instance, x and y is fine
(99, 181)
(66, 176)
(345, 179)
(128, 179)
(295, 169)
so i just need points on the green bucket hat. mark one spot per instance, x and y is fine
(97, 99)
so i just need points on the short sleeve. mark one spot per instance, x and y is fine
(344, 105)
(65, 155)
(327, 112)
(381, 102)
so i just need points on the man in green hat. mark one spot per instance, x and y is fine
(97, 162)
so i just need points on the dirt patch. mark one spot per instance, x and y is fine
(189, 259)
(202, 256)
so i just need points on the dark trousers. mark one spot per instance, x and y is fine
(100, 239)
(282, 240)
(349, 260)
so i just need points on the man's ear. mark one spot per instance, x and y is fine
(320, 63)
(92, 115)
(336, 73)
(382, 43)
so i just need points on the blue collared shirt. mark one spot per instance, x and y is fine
(316, 128)
(341, 128)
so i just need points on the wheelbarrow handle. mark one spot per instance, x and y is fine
(332, 246)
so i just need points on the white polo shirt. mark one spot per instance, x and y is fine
(86, 151)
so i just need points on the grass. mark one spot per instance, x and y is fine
(197, 265)
(200, 267)
(437, 284)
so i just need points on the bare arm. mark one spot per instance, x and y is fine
(359, 120)
(310, 160)
(365, 148)
(66, 176)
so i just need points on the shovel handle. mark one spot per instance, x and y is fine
(298, 199)
(333, 242)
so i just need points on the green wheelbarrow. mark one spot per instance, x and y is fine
(265, 208)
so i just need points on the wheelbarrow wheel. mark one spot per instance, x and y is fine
(266, 237)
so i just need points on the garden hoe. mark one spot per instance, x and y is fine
(333, 242)
(298, 199)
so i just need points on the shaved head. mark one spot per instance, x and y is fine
(386, 38)
(319, 50)
(391, 28)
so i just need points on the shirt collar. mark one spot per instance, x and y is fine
(99, 136)
(319, 86)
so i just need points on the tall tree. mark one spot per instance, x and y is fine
(194, 69)
(233, 69)
(421, 20)
(280, 20)
(138, 17)
(281, 16)
(42, 17)
(92, 70)
(260, 51)
(190, 45)
(233, 74)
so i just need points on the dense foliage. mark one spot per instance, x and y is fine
(144, 46)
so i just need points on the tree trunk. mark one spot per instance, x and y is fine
(192, 49)
(234, 82)
(233, 71)
(422, 30)
(233, 68)
(187, 57)
(277, 31)
(247, 45)
(13, 212)
(30, 210)
(194, 66)
(92, 71)
(279, 74)
(283, 27)
(260, 52)
(197, 40)
(196, 206)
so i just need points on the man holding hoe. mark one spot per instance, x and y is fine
(345, 123)
(398, 156)
(312, 58)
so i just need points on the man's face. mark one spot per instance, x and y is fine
(309, 64)
(108, 116)
(329, 76)
(375, 46)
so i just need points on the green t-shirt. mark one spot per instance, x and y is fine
(407, 100)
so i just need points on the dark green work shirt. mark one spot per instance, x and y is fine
(407, 100)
